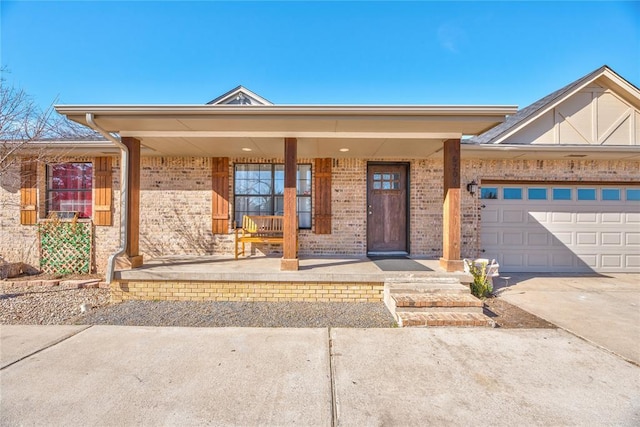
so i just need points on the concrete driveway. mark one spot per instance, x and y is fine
(125, 376)
(602, 309)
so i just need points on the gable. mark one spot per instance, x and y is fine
(239, 96)
(599, 109)
(595, 115)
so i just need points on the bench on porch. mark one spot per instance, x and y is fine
(259, 229)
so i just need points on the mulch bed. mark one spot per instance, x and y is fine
(509, 316)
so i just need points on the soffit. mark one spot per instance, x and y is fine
(384, 131)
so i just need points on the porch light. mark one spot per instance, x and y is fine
(472, 187)
(344, 150)
(246, 149)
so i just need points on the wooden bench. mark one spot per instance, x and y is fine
(259, 229)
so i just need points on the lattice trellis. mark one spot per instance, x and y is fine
(65, 246)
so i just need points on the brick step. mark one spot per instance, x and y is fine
(428, 319)
(451, 286)
(436, 302)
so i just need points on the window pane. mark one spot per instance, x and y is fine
(586, 193)
(610, 194)
(561, 194)
(69, 188)
(537, 194)
(377, 185)
(489, 193)
(304, 220)
(512, 193)
(633, 194)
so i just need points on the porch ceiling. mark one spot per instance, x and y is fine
(322, 131)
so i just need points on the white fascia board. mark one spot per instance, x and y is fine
(551, 148)
(257, 110)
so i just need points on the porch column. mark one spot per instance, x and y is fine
(450, 260)
(132, 258)
(289, 260)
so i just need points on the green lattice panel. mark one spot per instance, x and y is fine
(65, 247)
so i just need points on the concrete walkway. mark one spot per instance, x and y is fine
(603, 309)
(114, 376)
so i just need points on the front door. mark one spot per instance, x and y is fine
(387, 208)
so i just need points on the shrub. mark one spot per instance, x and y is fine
(481, 286)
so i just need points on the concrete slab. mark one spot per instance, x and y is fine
(19, 341)
(451, 376)
(111, 375)
(603, 309)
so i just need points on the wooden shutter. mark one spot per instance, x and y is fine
(323, 196)
(102, 203)
(220, 195)
(28, 192)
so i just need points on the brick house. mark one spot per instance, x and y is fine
(551, 187)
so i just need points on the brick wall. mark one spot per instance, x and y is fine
(247, 291)
(176, 206)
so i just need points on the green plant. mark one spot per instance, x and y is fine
(481, 286)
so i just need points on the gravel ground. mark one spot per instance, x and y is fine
(31, 304)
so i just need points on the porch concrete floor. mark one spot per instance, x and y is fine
(267, 269)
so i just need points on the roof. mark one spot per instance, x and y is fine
(533, 111)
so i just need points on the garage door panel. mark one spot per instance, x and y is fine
(562, 235)
(490, 238)
(512, 239)
(537, 260)
(632, 261)
(587, 218)
(563, 239)
(611, 239)
(538, 239)
(612, 218)
(612, 261)
(591, 260)
(490, 216)
(632, 239)
(561, 217)
(512, 260)
(588, 238)
(633, 218)
(562, 259)
(512, 216)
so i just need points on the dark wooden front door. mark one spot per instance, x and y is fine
(387, 207)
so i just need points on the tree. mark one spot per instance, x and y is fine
(23, 122)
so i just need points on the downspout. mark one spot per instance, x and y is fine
(124, 190)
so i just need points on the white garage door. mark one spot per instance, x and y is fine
(538, 228)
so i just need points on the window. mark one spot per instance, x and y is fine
(537, 193)
(561, 194)
(586, 193)
(69, 188)
(259, 190)
(489, 193)
(633, 194)
(610, 194)
(386, 181)
(512, 193)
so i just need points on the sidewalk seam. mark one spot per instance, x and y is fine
(53, 343)
(334, 405)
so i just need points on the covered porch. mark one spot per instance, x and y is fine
(287, 133)
(260, 278)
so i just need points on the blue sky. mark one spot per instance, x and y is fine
(161, 52)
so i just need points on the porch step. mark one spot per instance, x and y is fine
(428, 319)
(432, 302)
(448, 285)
